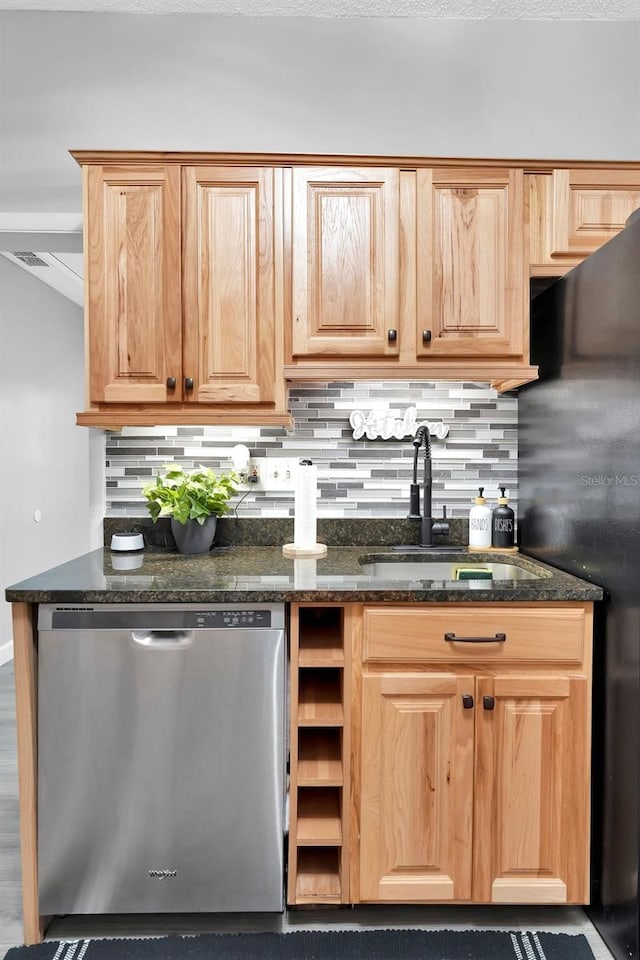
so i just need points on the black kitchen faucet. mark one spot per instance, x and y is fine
(428, 526)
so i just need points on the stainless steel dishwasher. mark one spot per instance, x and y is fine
(161, 758)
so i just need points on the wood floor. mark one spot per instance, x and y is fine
(556, 919)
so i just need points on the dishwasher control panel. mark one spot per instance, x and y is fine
(109, 616)
(225, 619)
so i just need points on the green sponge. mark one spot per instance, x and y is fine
(473, 573)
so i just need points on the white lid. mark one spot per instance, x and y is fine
(127, 541)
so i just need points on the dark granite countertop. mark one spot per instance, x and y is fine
(261, 573)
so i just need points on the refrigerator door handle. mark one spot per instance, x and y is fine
(162, 639)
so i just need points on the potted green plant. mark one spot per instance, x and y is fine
(193, 501)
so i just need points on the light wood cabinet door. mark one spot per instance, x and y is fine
(573, 212)
(132, 264)
(531, 817)
(590, 207)
(229, 284)
(345, 262)
(417, 788)
(471, 296)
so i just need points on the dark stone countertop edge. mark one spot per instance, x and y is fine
(558, 595)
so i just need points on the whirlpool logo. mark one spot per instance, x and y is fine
(162, 874)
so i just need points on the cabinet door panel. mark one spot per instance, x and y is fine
(229, 281)
(531, 820)
(590, 207)
(417, 786)
(470, 263)
(132, 285)
(345, 262)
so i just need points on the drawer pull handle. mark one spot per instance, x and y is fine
(488, 703)
(452, 638)
(467, 701)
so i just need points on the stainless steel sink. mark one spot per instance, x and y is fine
(442, 570)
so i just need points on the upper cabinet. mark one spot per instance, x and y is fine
(471, 279)
(409, 273)
(212, 279)
(575, 211)
(132, 260)
(184, 297)
(229, 284)
(345, 262)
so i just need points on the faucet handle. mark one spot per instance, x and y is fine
(441, 526)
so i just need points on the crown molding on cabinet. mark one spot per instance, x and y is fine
(300, 159)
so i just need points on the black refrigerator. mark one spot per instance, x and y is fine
(579, 496)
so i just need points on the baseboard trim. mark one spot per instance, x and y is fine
(6, 652)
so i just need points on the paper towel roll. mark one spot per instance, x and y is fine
(305, 506)
(304, 574)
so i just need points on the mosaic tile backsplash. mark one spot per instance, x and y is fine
(356, 478)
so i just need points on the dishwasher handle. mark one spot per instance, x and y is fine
(162, 639)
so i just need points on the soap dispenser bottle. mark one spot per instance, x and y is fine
(502, 523)
(480, 522)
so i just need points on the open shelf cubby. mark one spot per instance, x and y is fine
(320, 757)
(319, 817)
(320, 697)
(320, 636)
(318, 875)
(320, 751)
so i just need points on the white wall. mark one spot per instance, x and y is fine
(406, 86)
(44, 457)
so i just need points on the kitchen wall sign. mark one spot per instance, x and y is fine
(386, 425)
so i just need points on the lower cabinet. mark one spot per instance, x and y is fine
(472, 777)
(440, 753)
(531, 809)
(416, 791)
(474, 788)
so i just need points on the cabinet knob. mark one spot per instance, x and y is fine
(392, 335)
(467, 701)
(171, 383)
(188, 383)
(488, 703)
(426, 336)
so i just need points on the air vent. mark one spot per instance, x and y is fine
(29, 259)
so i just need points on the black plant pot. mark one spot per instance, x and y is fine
(193, 537)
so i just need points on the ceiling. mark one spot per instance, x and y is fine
(62, 271)
(426, 9)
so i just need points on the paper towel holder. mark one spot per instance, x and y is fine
(317, 550)
(294, 550)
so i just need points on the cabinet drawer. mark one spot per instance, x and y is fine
(526, 633)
